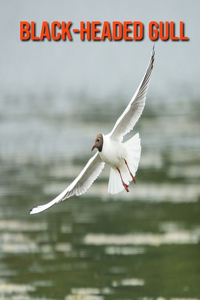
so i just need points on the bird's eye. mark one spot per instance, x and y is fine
(98, 139)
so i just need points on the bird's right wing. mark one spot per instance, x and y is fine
(133, 111)
(79, 186)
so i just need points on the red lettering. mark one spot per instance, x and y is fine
(182, 37)
(84, 30)
(153, 33)
(45, 31)
(33, 37)
(53, 31)
(106, 33)
(164, 31)
(95, 30)
(117, 28)
(172, 32)
(24, 31)
(66, 30)
(138, 25)
(127, 31)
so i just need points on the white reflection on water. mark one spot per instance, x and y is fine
(22, 226)
(59, 267)
(88, 293)
(13, 240)
(170, 226)
(129, 282)
(85, 291)
(111, 250)
(17, 243)
(18, 289)
(46, 249)
(188, 172)
(43, 283)
(84, 297)
(152, 239)
(63, 247)
(10, 291)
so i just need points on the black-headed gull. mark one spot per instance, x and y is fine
(122, 157)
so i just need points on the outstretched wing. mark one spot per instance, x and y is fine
(79, 186)
(132, 113)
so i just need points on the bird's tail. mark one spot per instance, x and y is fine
(133, 149)
(115, 184)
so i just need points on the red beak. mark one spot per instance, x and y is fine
(93, 147)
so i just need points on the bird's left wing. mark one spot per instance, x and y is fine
(79, 186)
(130, 116)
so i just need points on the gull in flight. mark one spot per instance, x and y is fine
(123, 158)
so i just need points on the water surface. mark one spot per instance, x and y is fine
(139, 245)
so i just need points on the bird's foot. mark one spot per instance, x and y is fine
(126, 186)
(134, 180)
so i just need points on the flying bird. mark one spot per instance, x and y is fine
(123, 158)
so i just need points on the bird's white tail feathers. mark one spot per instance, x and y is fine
(133, 150)
(115, 184)
(133, 153)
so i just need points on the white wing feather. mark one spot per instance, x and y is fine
(132, 113)
(80, 185)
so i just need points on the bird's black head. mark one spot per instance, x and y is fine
(98, 142)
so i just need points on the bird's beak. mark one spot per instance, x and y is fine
(93, 147)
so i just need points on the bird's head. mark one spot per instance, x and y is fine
(98, 142)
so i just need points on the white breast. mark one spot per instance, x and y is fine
(113, 152)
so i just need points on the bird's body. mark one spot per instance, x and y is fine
(123, 158)
(112, 152)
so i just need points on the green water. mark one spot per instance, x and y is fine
(139, 245)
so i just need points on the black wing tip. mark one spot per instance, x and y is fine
(153, 50)
(30, 210)
(152, 57)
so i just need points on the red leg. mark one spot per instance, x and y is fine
(134, 180)
(124, 184)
